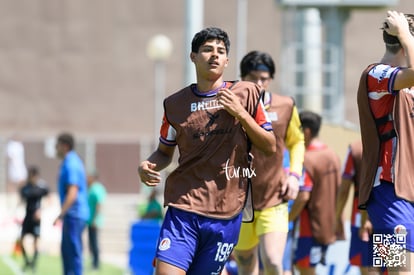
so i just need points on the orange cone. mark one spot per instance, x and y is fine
(17, 249)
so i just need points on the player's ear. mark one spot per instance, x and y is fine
(192, 56)
(227, 62)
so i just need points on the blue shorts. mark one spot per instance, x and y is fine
(195, 243)
(388, 213)
(360, 252)
(309, 252)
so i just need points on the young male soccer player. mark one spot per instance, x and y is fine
(212, 122)
(385, 104)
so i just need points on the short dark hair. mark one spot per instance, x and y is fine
(392, 43)
(67, 139)
(257, 61)
(312, 121)
(33, 171)
(207, 34)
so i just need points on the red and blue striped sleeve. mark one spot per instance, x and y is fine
(349, 168)
(262, 118)
(167, 133)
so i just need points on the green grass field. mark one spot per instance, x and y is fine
(50, 265)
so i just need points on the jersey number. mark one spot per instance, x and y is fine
(223, 251)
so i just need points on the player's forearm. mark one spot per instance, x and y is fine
(161, 159)
(342, 197)
(364, 217)
(70, 198)
(298, 205)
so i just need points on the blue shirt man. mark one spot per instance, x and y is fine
(72, 188)
(72, 172)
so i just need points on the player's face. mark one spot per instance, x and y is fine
(261, 78)
(211, 58)
(60, 150)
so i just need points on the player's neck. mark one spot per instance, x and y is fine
(205, 86)
(394, 60)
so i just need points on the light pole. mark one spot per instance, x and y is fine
(159, 49)
(194, 17)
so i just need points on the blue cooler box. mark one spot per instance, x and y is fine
(144, 235)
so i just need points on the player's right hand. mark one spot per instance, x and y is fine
(365, 231)
(147, 174)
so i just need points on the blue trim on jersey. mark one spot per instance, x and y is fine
(167, 142)
(392, 80)
(305, 188)
(267, 126)
(208, 93)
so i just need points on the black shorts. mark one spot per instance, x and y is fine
(31, 227)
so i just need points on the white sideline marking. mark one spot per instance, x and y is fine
(12, 265)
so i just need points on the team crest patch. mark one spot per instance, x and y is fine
(400, 229)
(164, 244)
